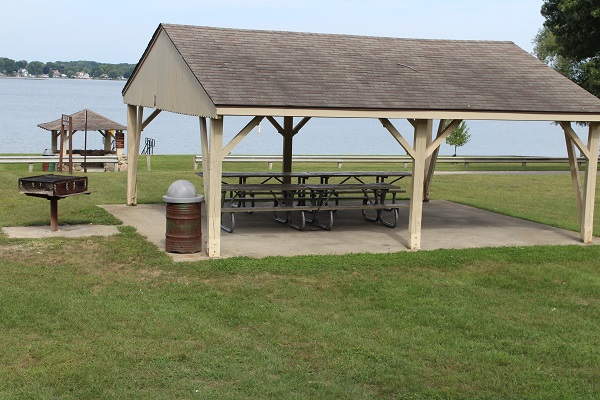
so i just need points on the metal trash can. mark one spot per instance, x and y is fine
(47, 166)
(184, 218)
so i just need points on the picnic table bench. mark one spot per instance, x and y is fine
(320, 201)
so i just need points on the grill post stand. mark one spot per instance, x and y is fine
(53, 214)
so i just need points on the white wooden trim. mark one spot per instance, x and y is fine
(591, 172)
(398, 136)
(213, 218)
(415, 216)
(406, 114)
(241, 135)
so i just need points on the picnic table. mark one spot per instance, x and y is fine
(304, 202)
(303, 177)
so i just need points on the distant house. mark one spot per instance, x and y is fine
(81, 75)
(22, 72)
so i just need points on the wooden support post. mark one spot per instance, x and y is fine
(423, 129)
(591, 172)
(134, 116)
(54, 135)
(430, 165)
(213, 219)
(205, 159)
(148, 162)
(288, 137)
(574, 167)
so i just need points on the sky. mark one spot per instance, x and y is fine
(118, 31)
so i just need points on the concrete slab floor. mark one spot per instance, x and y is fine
(445, 225)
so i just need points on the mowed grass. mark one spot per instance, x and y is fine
(114, 317)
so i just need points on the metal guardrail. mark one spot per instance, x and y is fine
(113, 159)
(466, 160)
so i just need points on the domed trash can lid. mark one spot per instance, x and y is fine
(182, 191)
(48, 152)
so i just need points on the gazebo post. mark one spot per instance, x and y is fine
(213, 218)
(134, 125)
(423, 130)
(54, 135)
(205, 160)
(591, 172)
(288, 138)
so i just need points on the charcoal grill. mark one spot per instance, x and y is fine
(53, 188)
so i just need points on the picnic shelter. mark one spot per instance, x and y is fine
(215, 73)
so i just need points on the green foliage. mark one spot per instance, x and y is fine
(575, 25)
(570, 41)
(35, 68)
(8, 66)
(459, 136)
(69, 68)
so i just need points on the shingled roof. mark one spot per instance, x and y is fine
(250, 68)
(95, 122)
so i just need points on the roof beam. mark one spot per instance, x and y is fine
(408, 114)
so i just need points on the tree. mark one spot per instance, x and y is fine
(35, 67)
(459, 136)
(575, 25)
(8, 66)
(570, 41)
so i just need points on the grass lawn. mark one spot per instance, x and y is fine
(114, 317)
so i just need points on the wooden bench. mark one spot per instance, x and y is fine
(315, 199)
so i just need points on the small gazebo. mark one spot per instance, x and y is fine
(92, 121)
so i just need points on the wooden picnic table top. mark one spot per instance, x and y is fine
(280, 174)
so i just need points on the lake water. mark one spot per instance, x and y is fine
(24, 103)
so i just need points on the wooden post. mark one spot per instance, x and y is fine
(134, 116)
(54, 141)
(430, 166)
(53, 214)
(288, 137)
(205, 159)
(423, 129)
(213, 218)
(574, 167)
(591, 171)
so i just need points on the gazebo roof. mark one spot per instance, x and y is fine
(95, 122)
(288, 70)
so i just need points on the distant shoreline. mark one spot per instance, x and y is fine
(62, 79)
